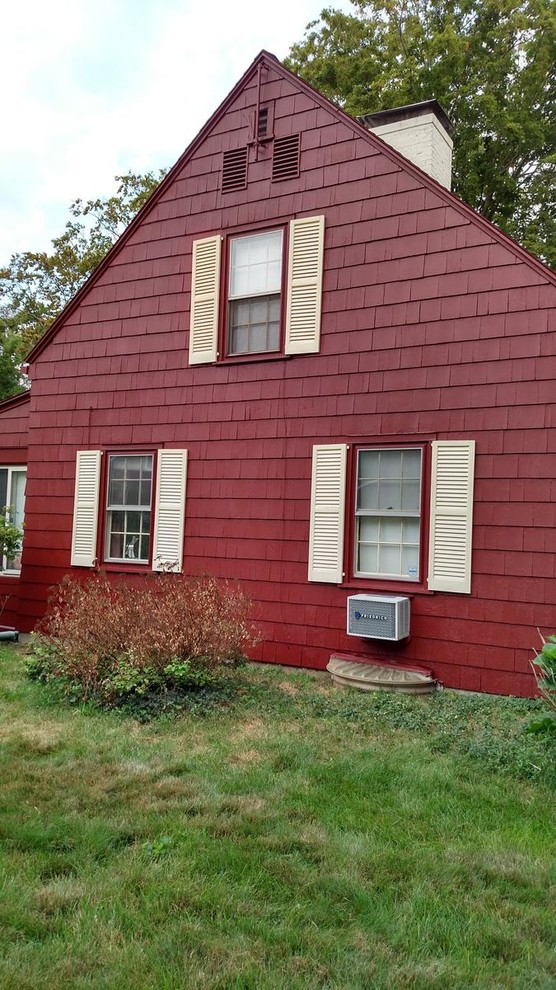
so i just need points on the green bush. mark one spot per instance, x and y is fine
(544, 668)
(123, 644)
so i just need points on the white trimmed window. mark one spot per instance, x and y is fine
(128, 508)
(12, 501)
(143, 510)
(257, 274)
(254, 293)
(389, 513)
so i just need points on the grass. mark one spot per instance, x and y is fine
(296, 836)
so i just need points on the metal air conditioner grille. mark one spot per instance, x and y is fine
(285, 158)
(378, 617)
(234, 170)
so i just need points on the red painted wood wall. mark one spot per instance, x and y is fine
(14, 428)
(433, 327)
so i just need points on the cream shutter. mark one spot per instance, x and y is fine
(326, 539)
(451, 515)
(205, 286)
(303, 310)
(85, 508)
(169, 512)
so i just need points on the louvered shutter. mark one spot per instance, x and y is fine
(205, 286)
(303, 312)
(169, 512)
(326, 539)
(451, 515)
(85, 508)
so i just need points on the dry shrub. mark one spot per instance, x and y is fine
(113, 639)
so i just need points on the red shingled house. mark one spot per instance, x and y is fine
(307, 366)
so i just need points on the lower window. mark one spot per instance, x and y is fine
(388, 513)
(128, 507)
(12, 501)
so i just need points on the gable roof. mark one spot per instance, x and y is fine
(268, 60)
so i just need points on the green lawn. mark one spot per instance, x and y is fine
(297, 837)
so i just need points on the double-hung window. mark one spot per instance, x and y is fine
(262, 267)
(388, 513)
(128, 507)
(254, 293)
(132, 512)
(12, 503)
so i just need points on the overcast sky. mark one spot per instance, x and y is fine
(95, 88)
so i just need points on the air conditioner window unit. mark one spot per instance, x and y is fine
(378, 616)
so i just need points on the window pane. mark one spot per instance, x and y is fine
(410, 496)
(131, 493)
(117, 467)
(368, 464)
(116, 493)
(368, 529)
(368, 559)
(3, 488)
(389, 559)
(367, 494)
(390, 495)
(390, 463)
(390, 531)
(411, 464)
(410, 562)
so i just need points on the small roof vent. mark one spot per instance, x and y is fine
(234, 170)
(285, 158)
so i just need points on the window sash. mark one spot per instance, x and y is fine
(254, 293)
(387, 539)
(128, 525)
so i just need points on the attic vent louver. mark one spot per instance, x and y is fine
(285, 158)
(234, 170)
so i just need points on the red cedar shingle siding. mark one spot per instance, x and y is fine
(431, 328)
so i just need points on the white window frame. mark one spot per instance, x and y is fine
(13, 469)
(397, 514)
(109, 509)
(272, 293)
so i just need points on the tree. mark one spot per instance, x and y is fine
(490, 63)
(35, 286)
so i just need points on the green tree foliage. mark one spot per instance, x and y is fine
(35, 286)
(490, 63)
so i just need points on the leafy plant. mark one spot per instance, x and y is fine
(10, 536)
(544, 669)
(113, 643)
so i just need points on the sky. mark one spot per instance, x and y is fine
(97, 88)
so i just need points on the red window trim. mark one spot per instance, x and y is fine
(386, 585)
(223, 315)
(112, 566)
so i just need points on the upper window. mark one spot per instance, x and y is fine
(12, 500)
(128, 507)
(387, 513)
(255, 281)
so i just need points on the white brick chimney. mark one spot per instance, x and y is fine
(422, 132)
